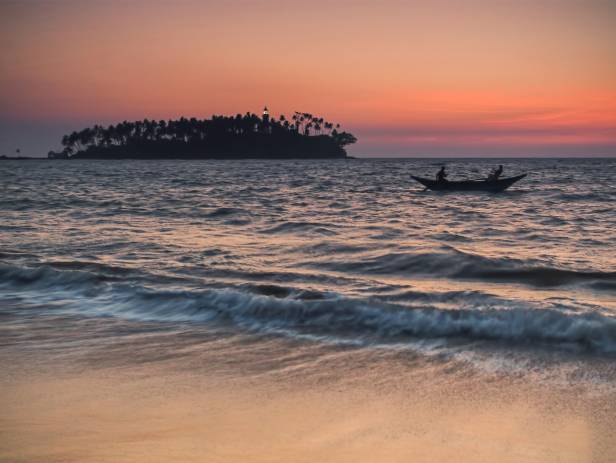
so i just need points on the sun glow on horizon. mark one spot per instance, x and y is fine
(412, 77)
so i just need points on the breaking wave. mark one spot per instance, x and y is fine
(270, 308)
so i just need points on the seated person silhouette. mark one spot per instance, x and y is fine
(441, 175)
(496, 173)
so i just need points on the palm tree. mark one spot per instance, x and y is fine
(66, 142)
(217, 129)
(162, 128)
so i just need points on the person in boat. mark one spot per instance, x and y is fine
(441, 175)
(496, 173)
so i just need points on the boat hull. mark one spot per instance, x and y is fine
(493, 186)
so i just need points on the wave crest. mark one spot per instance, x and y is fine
(460, 265)
(268, 308)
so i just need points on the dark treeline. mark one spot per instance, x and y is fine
(240, 136)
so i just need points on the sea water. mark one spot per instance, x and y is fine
(325, 253)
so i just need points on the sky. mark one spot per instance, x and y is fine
(408, 78)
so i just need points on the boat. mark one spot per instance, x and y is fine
(493, 186)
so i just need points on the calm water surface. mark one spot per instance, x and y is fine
(328, 253)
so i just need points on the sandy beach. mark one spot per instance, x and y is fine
(163, 398)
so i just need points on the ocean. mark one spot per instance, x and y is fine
(252, 268)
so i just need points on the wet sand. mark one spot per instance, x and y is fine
(222, 401)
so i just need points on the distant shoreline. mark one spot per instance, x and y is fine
(376, 158)
(24, 158)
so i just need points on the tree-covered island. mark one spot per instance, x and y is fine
(221, 137)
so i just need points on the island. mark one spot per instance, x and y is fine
(248, 136)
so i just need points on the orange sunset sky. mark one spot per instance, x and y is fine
(408, 78)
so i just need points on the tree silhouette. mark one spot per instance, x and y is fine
(301, 135)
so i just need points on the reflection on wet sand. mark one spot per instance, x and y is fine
(204, 404)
